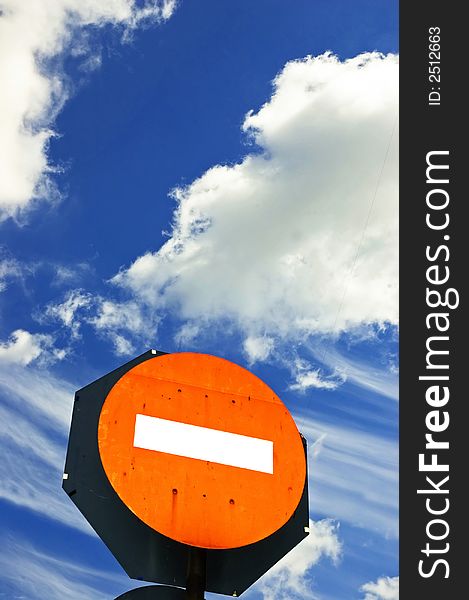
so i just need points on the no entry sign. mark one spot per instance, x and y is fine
(191, 470)
(201, 450)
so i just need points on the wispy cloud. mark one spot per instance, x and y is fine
(119, 322)
(35, 38)
(67, 312)
(350, 469)
(319, 363)
(10, 269)
(26, 273)
(307, 377)
(385, 588)
(38, 395)
(30, 573)
(35, 415)
(381, 379)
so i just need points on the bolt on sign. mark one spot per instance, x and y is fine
(173, 454)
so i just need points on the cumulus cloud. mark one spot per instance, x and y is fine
(385, 588)
(34, 38)
(23, 347)
(300, 237)
(290, 579)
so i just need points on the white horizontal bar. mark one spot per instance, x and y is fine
(202, 443)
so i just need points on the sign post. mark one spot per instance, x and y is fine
(196, 574)
(191, 470)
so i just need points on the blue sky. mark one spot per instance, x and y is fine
(207, 176)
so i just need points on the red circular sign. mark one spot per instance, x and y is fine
(201, 450)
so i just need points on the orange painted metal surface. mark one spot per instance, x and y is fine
(193, 501)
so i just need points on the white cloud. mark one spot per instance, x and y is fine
(187, 333)
(35, 414)
(115, 321)
(24, 347)
(119, 321)
(307, 377)
(69, 274)
(301, 238)
(9, 269)
(290, 578)
(47, 400)
(112, 316)
(383, 381)
(385, 588)
(34, 37)
(29, 573)
(31, 468)
(122, 346)
(350, 469)
(13, 270)
(258, 348)
(66, 311)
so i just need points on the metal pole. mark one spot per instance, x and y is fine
(195, 586)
